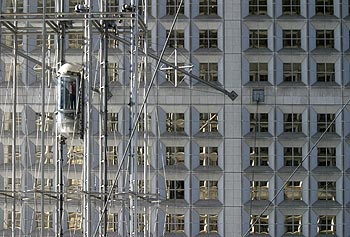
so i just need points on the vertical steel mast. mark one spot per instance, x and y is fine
(88, 123)
(103, 172)
(14, 123)
(134, 34)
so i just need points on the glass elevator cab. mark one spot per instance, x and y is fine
(68, 114)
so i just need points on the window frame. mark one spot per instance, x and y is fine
(175, 122)
(292, 71)
(293, 190)
(324, 222)
(208, 38)
(208, 122)
(176, 39)
(259, 224)
(208, 156)
(324, 120)
(259, 190)
(295, 120)
(325, 39)
(208, 223)
(259, 122)
(291, 7)
(291, 39)
(175, 189)
(208, 71)
(208, 190)
(293, 224)
(258, 39)
(327, 190)
(174, 223)
(324, 7)
(292, 156)
(172, 7)
(208, 7)
(258, 7)
(327, 156)
(258, 72)
(259, 156)
(175, 155)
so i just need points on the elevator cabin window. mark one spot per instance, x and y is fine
(68, 94)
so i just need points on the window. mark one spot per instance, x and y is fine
(292, 72)
(113, 43)
(292, 122)
(258, 72)
(325, 72)
(171, 76)
(208, 156)
(8, 184)
(48, 220)
(7, 121)
(259, 156)
(10, 8)
(208, 122)
(8, 154)
(291, 7)
(76, 40)
(142, 7)
(75, 155)
(50, 6)
(176, 39)
(326, 156)
(293, 190)
(208, 223)
(175, 155)
(173, 5)
(292, 156)
(208, 39)
(113, 72)
(113, 5)
(258, 39)
(74, 221)
(48, 122)
(48, 154)
(257, 7)
(259, 224)
(8, 220)
(141, 222)
(112, 155)
(175, 223)
(259, 122)
(141, 123)
(48, 184)
(49, 41)
(326, 225)
(175, 122)
(291, 39)
(74, 185)
(292, 225)
(208, 189)
(112, 122)
(325, 120)
(112, 223)
(327, 191)
(208, 7)
(259, 190)
(324, 7)
(141, 150)
(175, 189)
(324, 38)
(208, 71)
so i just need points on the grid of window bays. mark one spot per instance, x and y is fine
(296, 37)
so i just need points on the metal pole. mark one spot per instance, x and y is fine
(88, 125)
(42, 158)
(103, 121)
(133, 116)
(14, 126)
